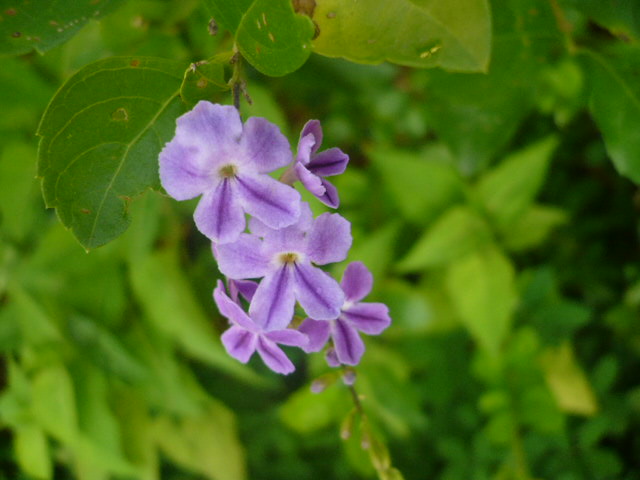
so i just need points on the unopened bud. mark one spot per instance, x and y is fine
(346, 428)
(323, 381)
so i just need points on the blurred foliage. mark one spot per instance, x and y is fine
(491, 209)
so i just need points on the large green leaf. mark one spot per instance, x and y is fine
(455, 35)
(273, 38)
(27, 25)
(482, 289)
(101, 136)
(615, 106)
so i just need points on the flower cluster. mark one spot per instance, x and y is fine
(215, 156)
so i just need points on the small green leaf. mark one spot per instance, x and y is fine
(273, 38)
(177, 313)
(103, 349)
(26, 25)
(458, 232)
(207, 444)
(18, 189)
(568, 382)
(483, 292)
(533, 227)
(101, 136)
(615, 105)
(54, 404)
(306, 412)
(423, 184)
(454, 35)
(32, 452)
(509, 189)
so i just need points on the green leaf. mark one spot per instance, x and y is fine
(482, 289)
(422, 185)
(568, 382)
(18, 189)
(417, 33)
(207, 444)
(101, 136)
(533, 227)
(32, 452)
(26, 25)
(476, 115)
(54, 404)
(458, 232)
(306, 412)
(615, 105)
(273, 38)
(509, 189)
(102, 348)
(228, 14)
(177, 314)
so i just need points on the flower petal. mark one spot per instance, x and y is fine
(239, 343)
(310, 181)
(313, 127)
(219, 214)
(349, 345)
(329, 239)
(288, 336)
(318, 333)
(318, 293)
(214, 128)
(370, 318)
(272, 202)
(265, 145)
(243, 258)
(357, 281)
(184, 172)
(329, 162)
(273, 357)
(246, 288)
(305, 146)
(274, 300)
(231, 310)
(330, 196)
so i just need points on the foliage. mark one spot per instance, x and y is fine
(494, 198)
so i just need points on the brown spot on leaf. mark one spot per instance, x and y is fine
(331, 15)
(272, 38)
(135, 62)
(16, 34)
(202, 83)
(86, 211)
(54, 23)
(11, 12)
(120, 115)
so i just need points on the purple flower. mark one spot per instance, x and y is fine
(244, 337)
(284, 258)
(214, 155)
(311, 167)
(370, 318)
